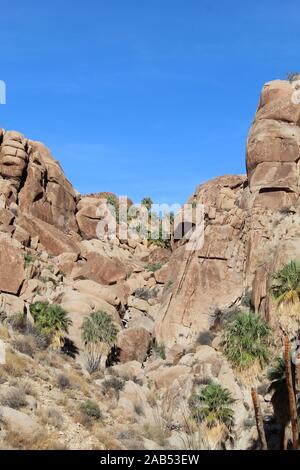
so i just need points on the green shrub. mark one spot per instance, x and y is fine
(154, 267)
(160, 350)
(91, 409)
(28, 259)
(113, 206)
(245, 340)
(212, 404)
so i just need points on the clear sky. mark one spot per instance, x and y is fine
(143, 97)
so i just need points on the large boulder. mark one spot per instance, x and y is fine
(133, 344)
(12, 272)
(19, 422)
(53, 240)
(102, 269)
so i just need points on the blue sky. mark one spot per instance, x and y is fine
(143, 97)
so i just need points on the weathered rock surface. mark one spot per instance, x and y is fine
(11, 265)
(133, 344)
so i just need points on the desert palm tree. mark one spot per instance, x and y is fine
(245, 340)
(98, 332)
(285, 288)
(212, 404)
(147, 202)
(283, 397)
(291, 394)
(52, 320)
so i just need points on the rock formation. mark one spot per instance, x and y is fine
(49, 250)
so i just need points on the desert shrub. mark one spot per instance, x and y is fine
(205, 338)
(91, 409)
(63, 381)
(24, 346)
(246, 299)
(114, 383)
(28, 259)
(146, 294)
(213, 405)
(113, 205)
(20, 323)
(27, 387)
(277, 377)
(221, 317)
(17, 321)
(245, 340)
(42, 340)
(53, 417)
(154, 267)
(160, 350)
(14, 398)
(50, 319)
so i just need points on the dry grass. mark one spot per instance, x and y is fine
(81, 383)
(106, 439)
(3, 375)
(4, 333)
(14, 398)
(156, 429)
(52, 416)
(249, 376)
(38, 441)
(25, 345)
(15, 365)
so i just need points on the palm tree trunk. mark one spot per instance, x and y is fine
(291, 394)
(259, 420)
(297, 376)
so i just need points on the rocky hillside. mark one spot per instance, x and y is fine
(168, 305)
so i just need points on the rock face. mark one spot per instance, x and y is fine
(251, 226)
(273, 147)
(33, 179)
(11, 266)
(101, 269)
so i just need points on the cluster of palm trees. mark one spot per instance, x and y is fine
(98, 330)
(285, 376)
